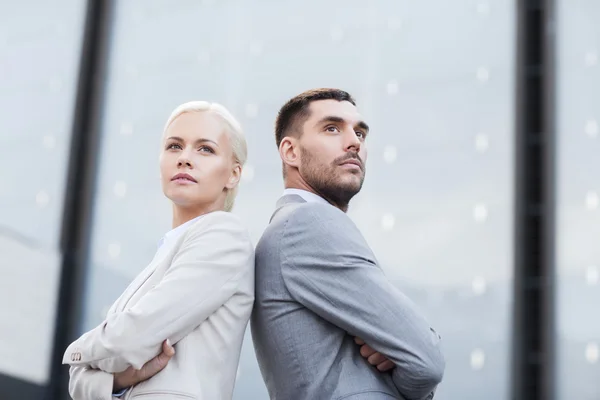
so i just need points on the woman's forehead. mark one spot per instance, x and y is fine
(191, 126)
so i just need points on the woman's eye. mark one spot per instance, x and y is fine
(206, 149)
(173, 146)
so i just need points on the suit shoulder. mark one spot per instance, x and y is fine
(279, 222)
(314, 212)
(316, 222)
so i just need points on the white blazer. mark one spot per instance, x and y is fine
(200, 296)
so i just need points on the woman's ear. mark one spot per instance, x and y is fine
(234, 178)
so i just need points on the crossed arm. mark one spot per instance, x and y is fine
(203, 275)
(86, 383)
(338, 279)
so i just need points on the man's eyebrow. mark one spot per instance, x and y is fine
(332, 118)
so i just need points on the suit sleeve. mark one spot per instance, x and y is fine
(328, 267)
(86, 384)
(204, 274)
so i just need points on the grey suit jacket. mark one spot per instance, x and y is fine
(318, 285)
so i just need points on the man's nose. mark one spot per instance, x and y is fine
(352, 141)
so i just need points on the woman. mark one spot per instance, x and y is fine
(198, 291)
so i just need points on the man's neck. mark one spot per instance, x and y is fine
(302, 185)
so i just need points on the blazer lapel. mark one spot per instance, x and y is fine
(121, 303)
(133, 287)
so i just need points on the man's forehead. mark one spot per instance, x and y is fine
(343, 109)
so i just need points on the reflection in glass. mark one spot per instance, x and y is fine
(39, 53)
(578, 218)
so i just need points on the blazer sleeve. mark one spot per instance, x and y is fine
(215, 254)
(328, 267)
(86, 384)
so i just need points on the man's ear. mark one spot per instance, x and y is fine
(289, 151)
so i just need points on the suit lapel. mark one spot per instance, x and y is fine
(286, 201)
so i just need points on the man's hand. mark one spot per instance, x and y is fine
(374, 358)
(131, 376)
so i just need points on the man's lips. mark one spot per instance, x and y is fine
(352, 161)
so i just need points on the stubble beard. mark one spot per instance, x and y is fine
(327, 180)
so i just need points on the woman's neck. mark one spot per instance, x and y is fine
(181, 215)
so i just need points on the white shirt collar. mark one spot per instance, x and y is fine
(306, 195)
(175, 233)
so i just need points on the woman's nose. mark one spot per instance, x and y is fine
(184, 160)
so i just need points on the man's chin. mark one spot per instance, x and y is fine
(352, 184)
(347, 191)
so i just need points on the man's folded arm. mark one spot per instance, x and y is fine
(328, 267)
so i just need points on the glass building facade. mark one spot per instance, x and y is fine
(436, 82)
(578, 191)
(40, 45)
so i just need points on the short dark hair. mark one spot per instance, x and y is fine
(296, 110)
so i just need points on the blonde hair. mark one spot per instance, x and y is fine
(234, 129)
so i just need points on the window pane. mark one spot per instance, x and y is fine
(437, 203)
(578, 191)
(39, 55)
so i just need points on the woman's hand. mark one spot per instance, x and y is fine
(131, 376)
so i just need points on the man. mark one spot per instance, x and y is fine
(327, 323)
